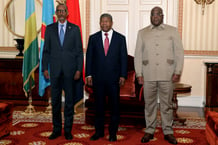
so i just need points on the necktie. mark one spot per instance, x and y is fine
(106, 44)
(62, 35)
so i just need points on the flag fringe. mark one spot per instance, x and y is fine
(28, 78)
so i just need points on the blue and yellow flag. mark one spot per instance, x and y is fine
(31, 51)
(48, 17)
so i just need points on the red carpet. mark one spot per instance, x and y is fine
(36, 133)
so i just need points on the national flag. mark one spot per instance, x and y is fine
(74, 17)
(48, 17)
(31, 50)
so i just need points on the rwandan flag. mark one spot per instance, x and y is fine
(74, 17)
(31, 52)
(47, 18)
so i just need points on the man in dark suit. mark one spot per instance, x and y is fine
(63, 54)
(106, 71)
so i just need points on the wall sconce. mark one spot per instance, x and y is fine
(203, 2)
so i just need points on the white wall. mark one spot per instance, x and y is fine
(194, 73)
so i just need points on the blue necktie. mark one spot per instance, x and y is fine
(62, 35)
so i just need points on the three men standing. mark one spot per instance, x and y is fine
(159, 57)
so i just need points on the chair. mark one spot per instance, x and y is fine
(6, 110)
(211, 130)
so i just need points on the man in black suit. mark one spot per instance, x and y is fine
(106, 71)
(63, 54)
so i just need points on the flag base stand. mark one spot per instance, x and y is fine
(30, 110)
(48, 110)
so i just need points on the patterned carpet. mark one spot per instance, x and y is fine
(34, 130)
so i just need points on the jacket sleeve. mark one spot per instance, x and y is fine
(138, 55)
(178, 53)
(89, 55)
(79, 50)
(124, 58)
(46, 51)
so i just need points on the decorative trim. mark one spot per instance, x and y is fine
(9, 49)
(180, 15)
(200, 52)
(190, 101)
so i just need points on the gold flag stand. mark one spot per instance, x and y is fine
(30, 110)
(48, 110)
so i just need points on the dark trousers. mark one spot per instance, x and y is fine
(100, 92)
(67, 84)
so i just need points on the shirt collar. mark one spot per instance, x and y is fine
(65, 23)
(109, 32)
(161, 26)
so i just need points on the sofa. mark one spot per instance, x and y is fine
(211, 130)
(131, 101)
(6, 110)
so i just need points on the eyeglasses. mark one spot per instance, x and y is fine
(157, 14)
(61, 11)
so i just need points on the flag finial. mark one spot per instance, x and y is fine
(61, 1)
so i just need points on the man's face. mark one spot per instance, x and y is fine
(106, 24)
(156, 16)
(61, 13)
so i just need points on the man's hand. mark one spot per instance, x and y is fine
(89, 81)
(140, 80)
(175, 78)
(77, 75)
(122, 81)
(46, 74)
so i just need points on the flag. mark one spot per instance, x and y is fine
(74, 17)
(31, 52)
(74, 13)
(48, 17)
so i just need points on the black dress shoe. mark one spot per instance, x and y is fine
(68, 136)
(54, 135)
(96, 136)
(170, 138)
(147, 137)
(112, 138)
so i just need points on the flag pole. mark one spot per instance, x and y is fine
(48, 17)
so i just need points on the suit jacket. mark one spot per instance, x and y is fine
(110, 67)
(159, 53)
(66, 59)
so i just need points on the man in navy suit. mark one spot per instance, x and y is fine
(63, 54)
(106, 71)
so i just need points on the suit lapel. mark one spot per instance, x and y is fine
(68, 28)
(112, 42)
(100, 43)
(57, 34)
